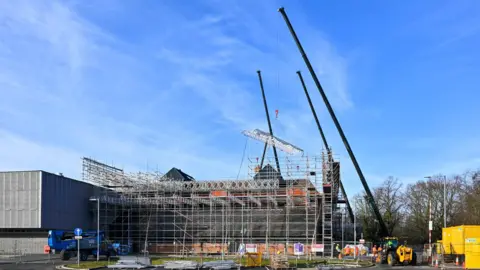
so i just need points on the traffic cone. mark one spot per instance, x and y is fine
(436, 263)
(463, 265)
(456, 261)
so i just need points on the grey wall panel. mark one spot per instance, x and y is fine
(65, 203)
(19, 199)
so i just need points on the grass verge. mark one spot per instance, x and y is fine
(158, 261)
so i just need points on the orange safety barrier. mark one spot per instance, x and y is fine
(219, 193)
(196, 248)
(215, 248)
(296, 192)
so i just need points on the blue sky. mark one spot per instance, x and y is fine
(157, 84)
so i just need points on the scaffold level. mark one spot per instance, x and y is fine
(152, 212)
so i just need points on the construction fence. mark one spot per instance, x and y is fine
(236, 249)
(351, 248)
(23, 250)
(25, 245)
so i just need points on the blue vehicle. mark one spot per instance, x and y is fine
(65, 242)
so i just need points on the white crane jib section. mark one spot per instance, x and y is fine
(272, 141)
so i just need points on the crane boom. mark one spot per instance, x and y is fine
(371, 200)
(324, 139)
(269, 123)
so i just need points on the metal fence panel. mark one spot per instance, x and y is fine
(19, 250)
(26, 245)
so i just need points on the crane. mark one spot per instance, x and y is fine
(269, 126)
(325, 143)
(371, 200)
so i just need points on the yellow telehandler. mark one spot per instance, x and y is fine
(392, 253)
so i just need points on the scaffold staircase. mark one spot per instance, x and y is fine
(327, 223)
(328, 204)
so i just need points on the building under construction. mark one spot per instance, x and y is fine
(294, 201)
(173, 213)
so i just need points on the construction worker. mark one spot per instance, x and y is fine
(374, 252)
(347, 250)
(389, 244)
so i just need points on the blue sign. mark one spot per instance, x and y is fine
(298, 249)
(78, 232)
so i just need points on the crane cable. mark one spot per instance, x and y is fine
(243, 157)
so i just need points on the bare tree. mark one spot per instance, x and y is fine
(468, 210)
(406, 211)
(366, 217)
(425, 193)
(388, 197)
(390, 201)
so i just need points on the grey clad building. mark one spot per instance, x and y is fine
(33, 202)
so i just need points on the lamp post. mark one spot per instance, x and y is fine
(444, 201)
(343, 222)
(354, 235)
(98, 226)
(429, 223)
(444, 198)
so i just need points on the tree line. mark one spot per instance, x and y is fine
(405, 208)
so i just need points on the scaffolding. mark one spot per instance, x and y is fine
(152, 213)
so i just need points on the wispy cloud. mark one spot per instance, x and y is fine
(164, 84)
(77, 82)
(445, 25)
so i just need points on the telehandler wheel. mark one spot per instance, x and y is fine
(65, 255)
(414, 258)
(390, 259)
(83, 256)
(383, 259)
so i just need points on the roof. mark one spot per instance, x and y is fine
(266, 173)
(178, 175)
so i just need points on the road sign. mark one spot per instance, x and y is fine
(78, 235)
(78, 232)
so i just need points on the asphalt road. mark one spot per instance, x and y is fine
(28, 266)
(41, 262)
(50, 266)
(31, 262)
